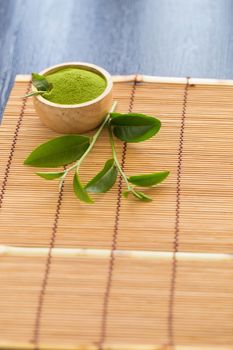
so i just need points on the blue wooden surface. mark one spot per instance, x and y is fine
(156, 37)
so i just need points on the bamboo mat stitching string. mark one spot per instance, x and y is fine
(180, 106)
(13, 145)
(177, 221)
(115, 234)
(37, 325)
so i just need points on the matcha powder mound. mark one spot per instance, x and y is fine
(73, 86)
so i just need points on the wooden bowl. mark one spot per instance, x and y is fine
(75, 118)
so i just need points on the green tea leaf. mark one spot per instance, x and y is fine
(50, 175)
(126, 193)
(80, 191)
(59, 151)
(147, 180)
(141, 196)
(41, 83)
(134, 127)
(137, 194)
(104, 180)
(114, 115)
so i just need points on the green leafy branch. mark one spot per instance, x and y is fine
(41, 84)
(73, 149)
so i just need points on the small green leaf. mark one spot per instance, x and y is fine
(50, 175)
(114, 115)
(80, 191)
(147, 180)
(59, 151)
(137, 194)
(141, 196)
(104, 180)
(126, 193)
(134, 127)
(41, 83)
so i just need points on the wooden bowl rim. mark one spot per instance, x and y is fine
(83, 65)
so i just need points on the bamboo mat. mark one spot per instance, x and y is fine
(122, 274)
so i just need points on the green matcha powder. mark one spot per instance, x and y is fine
(74, 85)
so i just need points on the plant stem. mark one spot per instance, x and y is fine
(95, 137)
(35, 93)
(93, 141)
(129, 187)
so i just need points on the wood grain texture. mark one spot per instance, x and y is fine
(137, 310)
(56, 250)
(165, 38)
(201, 198)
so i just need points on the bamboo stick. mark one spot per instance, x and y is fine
(105, 253)
(27, 346)
(138, 303)
(152, 79)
